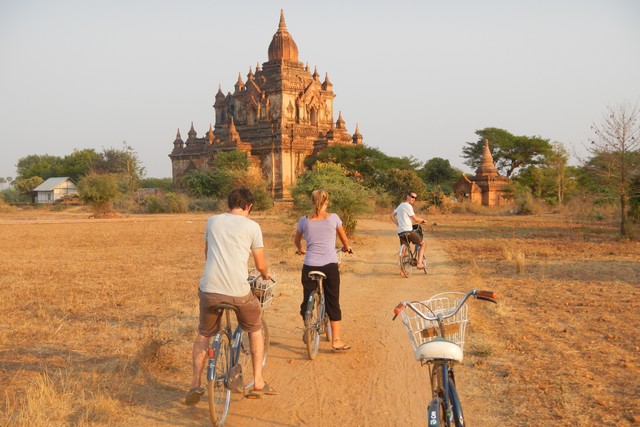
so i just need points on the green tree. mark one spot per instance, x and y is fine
(439, 173)
(80, 163)
(26, 186)
(367, 165)
(509, 152)
(347, 198)
(398, 181)
(100, 191)
(125, 163)
(616, 153)
(45, 166)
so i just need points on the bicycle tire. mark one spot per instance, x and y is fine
(456, 406)
(219, 395)
(311, 322)
(244, 357)
(405, 260)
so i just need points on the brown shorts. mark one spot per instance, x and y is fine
(248, 313)
(413, 236)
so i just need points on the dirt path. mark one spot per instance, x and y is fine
(377, 382)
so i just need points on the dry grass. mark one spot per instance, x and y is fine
(98, 315)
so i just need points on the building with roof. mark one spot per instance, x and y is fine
(281, 114)
(487, 187)
(55, 189)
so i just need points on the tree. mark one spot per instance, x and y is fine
(80, 163)
(557, 160)
(26, 186)
(398, 181)
(439, 173)
(365, 164)
(509, 152)
(99, 191)
(616, 149)
(45, 166)
(347, 198)
(125, 163)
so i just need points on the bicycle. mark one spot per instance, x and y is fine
(408, 257)
(436, 330)
(316, 320)
(230, 366)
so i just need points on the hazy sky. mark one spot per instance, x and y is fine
(419, 77)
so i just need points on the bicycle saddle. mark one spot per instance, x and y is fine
(315, 274)
(439, 349)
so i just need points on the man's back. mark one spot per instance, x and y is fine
(230, 239)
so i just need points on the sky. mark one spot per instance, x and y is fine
(417, 77)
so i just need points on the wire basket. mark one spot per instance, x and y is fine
(262, 289)
(421, 331)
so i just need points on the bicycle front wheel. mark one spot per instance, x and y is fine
(244, 356)
(456, 407)
(311, 322)
(218, 393)
(405, 261)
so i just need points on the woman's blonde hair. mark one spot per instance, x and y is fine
(318, 197)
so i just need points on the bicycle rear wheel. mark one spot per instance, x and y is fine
(244, 356)
(218, 393)
(311, 323)
(405, 261)
(327, 328)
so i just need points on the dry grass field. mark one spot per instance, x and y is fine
(98, 318)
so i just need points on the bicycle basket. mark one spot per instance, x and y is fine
(421, 331)
(262, 289)
(418, 229)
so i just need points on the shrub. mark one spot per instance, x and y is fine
(99, 191)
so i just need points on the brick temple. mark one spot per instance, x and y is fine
(487, 187)
(281, 114)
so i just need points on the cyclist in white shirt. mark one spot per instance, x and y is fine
(404, 217)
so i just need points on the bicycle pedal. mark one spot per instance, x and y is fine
(235, 378)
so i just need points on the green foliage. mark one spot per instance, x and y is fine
(398, 181)
(347, 198)
(80, 163)
(509, 152)
(366, 164)
(165, 184)
(11, 195)
(206, 205)
(99, 191)
(125, 163)
(167, 203)
(439, 175)
(25, 186)
(44, 166)
(230, 170)
(634, 199)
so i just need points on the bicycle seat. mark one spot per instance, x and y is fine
(439, 349)
(315, 275)
(223, 306)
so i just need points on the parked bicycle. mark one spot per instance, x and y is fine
(408, 257)
(316, 320)
(230, 367)
(436, 329)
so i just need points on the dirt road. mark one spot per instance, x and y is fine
(377, 382)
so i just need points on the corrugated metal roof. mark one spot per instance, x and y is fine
(52, 183)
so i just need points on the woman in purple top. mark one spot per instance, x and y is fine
(319, 231)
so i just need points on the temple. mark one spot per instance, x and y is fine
(487, 187)
(281, 114)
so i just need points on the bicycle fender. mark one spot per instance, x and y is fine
(211, 365)
(433, 412)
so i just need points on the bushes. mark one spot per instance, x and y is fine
(167, 203)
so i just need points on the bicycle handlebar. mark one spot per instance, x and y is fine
(481, 295)
(350, 251)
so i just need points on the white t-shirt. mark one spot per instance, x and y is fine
(230, 239)
(404, 212)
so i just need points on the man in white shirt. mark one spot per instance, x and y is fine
(404, 217)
